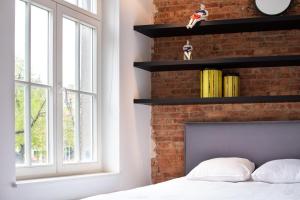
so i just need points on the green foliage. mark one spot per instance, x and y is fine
(68, 123)
(38, 125)
(39, 118)
(39, 132)
(19, 106)
(19, 117)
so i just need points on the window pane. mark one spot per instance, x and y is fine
(86, 58)
(39, 125)
(89, 5)
(69, 53)
(78, 75)
(69, 126)
(86, 128)
(20, 124)
(78, 145)
(20, 38)
(39, 45)
(72, 1)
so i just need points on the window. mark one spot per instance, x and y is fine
(56, 93)
(89, 5)
(34, 89)
(79, 97)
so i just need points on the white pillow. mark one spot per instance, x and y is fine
(223, 169)
(278, 171)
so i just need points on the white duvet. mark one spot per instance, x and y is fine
(183, 189)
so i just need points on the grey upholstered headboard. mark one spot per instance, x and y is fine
(257, 141)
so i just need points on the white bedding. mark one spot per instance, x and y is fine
(183, 189)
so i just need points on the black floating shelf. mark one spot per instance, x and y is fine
(220, 63)
(225, 100)
(273, 23)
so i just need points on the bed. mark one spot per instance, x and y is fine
(257, 141)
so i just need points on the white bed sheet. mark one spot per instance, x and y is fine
(183, 189)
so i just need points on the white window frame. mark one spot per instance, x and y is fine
(96, 15)
(91, 167)
(23, 172)
(56, 167)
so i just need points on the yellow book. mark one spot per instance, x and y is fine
(231, 86)
(211, 83)
(226, 86)
(220, 84)
(205, 86)
(201, 83)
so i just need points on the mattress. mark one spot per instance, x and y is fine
(183, 189)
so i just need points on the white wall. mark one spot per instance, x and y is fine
(126, 138)
(134, 83)
(7, 169)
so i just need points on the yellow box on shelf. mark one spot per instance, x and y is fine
(231, 85)
(211, 83)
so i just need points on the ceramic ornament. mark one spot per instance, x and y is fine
(273, 7)
(187, 49)
(199, 15)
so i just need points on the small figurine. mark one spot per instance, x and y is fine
(187, 49)
(199, 15)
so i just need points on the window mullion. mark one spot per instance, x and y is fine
(59, 150)
(77, 106)
(81, 92)
(51, 91)
(28, 87)
(95, 90)
(77, 128)
(77, 61)
(34, 84)
(94, 62)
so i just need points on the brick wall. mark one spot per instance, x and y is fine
(168, 121)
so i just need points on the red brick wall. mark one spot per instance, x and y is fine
(168, 121)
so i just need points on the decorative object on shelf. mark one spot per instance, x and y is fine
(272, 7)
(199, 15)
(231, 85)
(254, 24)
(215, 27)
(211, 81)
(187, 50)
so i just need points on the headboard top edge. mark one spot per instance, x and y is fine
(262, 141)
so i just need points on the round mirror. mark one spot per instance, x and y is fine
(272, 7)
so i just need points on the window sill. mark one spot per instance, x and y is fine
(64, 178)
